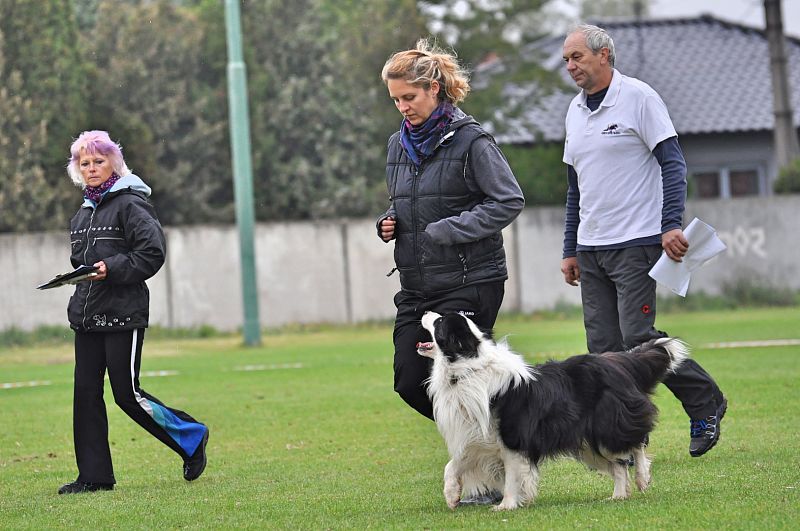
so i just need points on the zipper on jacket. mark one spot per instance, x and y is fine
(414, 184)
(107, 238)
(85, 251)
(463, 258)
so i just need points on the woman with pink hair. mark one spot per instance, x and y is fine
(117, 231)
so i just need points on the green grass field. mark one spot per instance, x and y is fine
(313, 437)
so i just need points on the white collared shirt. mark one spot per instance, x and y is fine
(611, 149)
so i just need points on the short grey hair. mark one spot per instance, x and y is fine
(596, 39)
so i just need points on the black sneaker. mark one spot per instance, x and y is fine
(487, 498)
(80, 486)
(705, 432)
(194, 466)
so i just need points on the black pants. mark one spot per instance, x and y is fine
(480, 302)
(619, 312)
(120, 353)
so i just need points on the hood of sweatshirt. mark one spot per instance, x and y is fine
(129, 181)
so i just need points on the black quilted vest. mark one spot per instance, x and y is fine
(438, 189)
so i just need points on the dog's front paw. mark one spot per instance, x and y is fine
(506, 505)
(452, 495)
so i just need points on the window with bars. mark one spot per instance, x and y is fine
(726, 182)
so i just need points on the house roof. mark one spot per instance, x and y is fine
(713, 75)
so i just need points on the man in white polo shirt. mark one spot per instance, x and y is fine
(625, 201)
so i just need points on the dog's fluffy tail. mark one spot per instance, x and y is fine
(653, 361)
(677, 349)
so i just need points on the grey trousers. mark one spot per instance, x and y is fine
(619, 312)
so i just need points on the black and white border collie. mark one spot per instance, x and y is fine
(501, 418)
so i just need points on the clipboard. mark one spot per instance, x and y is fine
(82, 273)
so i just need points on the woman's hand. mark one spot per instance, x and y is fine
(102, 271)
(387, 229)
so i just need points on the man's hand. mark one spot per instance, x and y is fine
(675, 244)
(387, 229)
(572, 273)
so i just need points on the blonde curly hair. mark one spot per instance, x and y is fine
(427, 63)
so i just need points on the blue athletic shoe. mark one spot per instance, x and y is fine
(705, 432)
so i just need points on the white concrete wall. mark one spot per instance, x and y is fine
(763, 239)
(335, 271)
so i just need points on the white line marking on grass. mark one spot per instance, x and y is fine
(275, 367)
(761, 343)
(16, 385)
(159, 373)
(154, 373)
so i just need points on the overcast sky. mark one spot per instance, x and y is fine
(747, 12)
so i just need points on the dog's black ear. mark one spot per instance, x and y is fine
(455, 338)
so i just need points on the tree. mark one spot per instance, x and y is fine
(599, 9)
(155, 93)
(153, 73)
(494, 39)
(317, 108)
(46, 98)
(22, 135)
(498, 40)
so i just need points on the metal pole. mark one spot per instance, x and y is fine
(785, 134)
(238, 115)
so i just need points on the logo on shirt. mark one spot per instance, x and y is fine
(611, 129)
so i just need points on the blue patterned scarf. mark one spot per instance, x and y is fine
(95, 193)
(420, 141)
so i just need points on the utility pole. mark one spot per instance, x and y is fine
(787, 147)
(238, 116)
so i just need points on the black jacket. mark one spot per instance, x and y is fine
(450, 210)
(124, 232)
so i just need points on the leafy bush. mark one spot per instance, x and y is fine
(752, 293)
(540, 172)
(44, 335)
(61, 335)
(788, 181)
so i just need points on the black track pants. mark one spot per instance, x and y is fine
(480, 302)
(120, 353)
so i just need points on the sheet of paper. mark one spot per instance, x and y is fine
(704, 244)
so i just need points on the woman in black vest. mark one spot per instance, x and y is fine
(451, 193)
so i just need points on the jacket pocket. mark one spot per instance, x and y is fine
(105, 246)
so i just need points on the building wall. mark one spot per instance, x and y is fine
(335, 271)
(734, 151)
